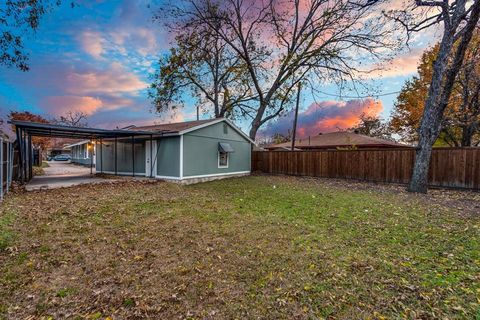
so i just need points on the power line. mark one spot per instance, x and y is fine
(358, 97)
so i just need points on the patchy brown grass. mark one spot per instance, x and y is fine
(39, 170)
(254, 247)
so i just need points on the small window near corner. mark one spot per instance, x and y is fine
(222, 159)
(225, 128)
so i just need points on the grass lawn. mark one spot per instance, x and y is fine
(253, 247)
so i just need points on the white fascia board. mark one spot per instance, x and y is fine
(181, 157)
(215, 122)
(200, 126)
(77, 144)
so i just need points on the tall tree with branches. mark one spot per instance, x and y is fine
(203, 64)
(282, 43)
(459, 20)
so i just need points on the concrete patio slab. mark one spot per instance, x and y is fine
(63, 174)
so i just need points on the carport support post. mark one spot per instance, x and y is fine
(30, 157)
(21, 147)
(151, 155)
(91, 159)
(115, 155)
(20, 154)
(25, 157)
(101, 156)
(133, 156)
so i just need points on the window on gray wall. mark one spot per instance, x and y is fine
(222, 159)
(225, 128)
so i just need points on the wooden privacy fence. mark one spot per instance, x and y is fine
(450, 167)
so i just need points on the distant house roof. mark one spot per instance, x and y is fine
(341, 139)
(61, 143)
(79, 143)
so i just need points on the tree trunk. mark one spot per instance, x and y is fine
(438, 96)
(428, 135)
(253, 131)
(296, 117)
(467, 133)
(430, 124)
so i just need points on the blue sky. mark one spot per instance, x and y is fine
(97, 57)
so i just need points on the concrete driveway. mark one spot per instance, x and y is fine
(61, 174)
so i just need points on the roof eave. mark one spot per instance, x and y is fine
(207, 124)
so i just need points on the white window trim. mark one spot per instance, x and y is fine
(181, 157)
(218, 160)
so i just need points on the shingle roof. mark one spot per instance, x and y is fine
(184, 127)
(173, 127)
(339, 139)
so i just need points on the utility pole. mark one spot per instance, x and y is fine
(296, 116)
(198, 113)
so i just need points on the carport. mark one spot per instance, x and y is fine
(26, 130)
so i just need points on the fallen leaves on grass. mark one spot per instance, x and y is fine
(239, 249)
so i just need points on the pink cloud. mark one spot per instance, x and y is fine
(56, 105)
(115, 79)
(143, 40)
(402, 65)
(326, 116)
(92, 43)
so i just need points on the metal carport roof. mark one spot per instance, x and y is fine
(25, 130)
(59, 131)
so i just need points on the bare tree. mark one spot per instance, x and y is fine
(459, 20)
(284, 42)
(73, 119)
(202, 63)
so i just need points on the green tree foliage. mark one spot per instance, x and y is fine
(18, 18)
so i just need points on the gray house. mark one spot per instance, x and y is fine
(83, 153)
(185, 152)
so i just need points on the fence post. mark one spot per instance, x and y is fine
(12, 162)
(1, 168)
(8, 166)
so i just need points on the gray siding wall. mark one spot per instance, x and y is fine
(78, 153)
(168, 157)
(200, 151)
(105, 160)
(85, 162)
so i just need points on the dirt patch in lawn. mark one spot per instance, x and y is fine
(253, 247)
